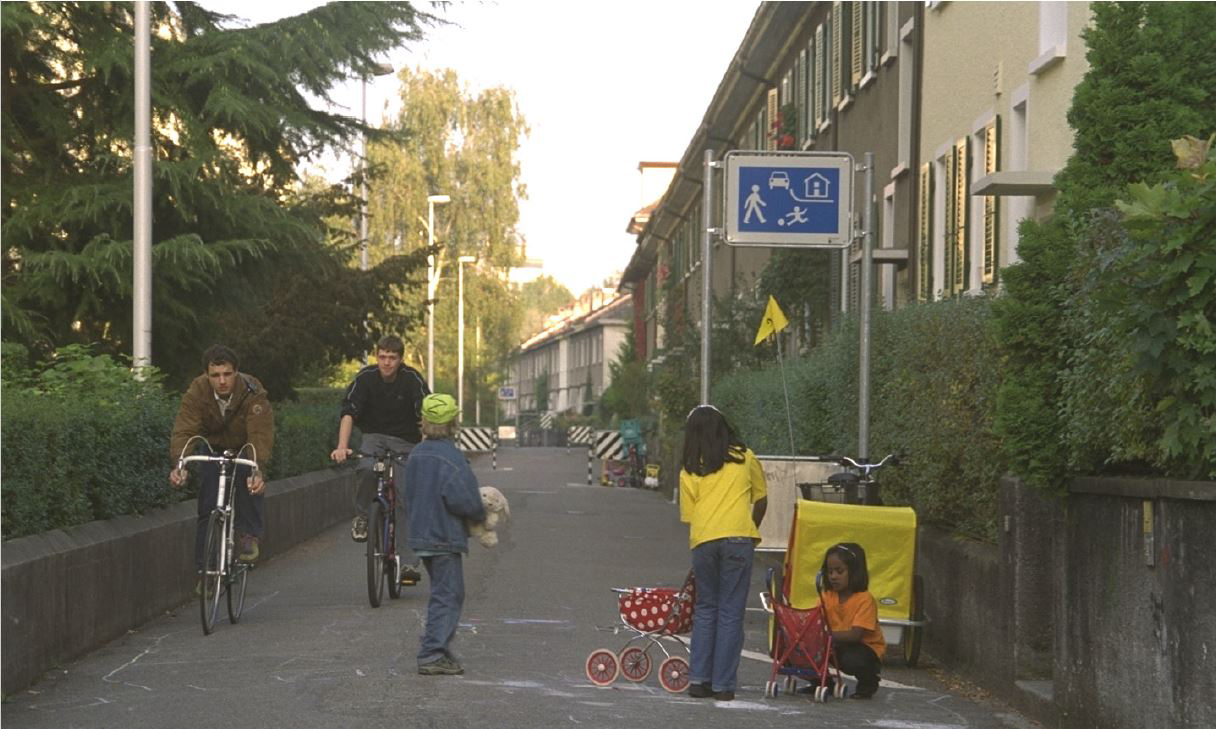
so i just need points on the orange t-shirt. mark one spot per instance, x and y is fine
(859, 611)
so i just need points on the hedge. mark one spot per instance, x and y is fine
(71, 460)
(933, 378)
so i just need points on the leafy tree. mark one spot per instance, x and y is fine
(539, 299)
(542, 392)
(1068, 371)
(240, 250)
(449, 140)
(628, 392)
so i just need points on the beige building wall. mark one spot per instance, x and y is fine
(1018, 63)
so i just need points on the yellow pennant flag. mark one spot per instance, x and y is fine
(773, 322)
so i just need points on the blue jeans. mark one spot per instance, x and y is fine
(723, 571)
(249, 508)
(446, 572)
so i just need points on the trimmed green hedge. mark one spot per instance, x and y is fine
(69, 460)
(933, 378)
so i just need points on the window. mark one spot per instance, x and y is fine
(890, 30)
(812, 110)
(955, 188)
(991, 245)
(1020, 207)
(1053, 35)
(800, 85)
(820, 75)
(857, 43)
(906, 81)
(771, 110)
(886, 275)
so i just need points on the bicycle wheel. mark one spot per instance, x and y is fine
(237, 579)
(392, 560)
(375, 552)
(212, 575)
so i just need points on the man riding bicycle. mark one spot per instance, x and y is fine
(385, 401)
(228, 408)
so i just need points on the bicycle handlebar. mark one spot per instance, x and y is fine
(867, 468)
(386, 453)
(181, 462)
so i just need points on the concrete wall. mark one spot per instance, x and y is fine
(66, 592)
(1085, 614)
(1136, 615)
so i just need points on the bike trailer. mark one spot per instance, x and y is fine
(888, 535)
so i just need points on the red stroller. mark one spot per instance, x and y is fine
(800, 643)
(652, 613)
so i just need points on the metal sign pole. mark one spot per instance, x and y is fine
(706, 236)
(863, 377)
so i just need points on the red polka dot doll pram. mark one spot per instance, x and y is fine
(652, 614)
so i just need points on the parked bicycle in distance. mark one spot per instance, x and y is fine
(222, 573)
(383, 561)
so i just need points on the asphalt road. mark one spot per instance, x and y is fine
(311, 652)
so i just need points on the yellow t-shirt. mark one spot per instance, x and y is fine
(719, 505)
(859, 611)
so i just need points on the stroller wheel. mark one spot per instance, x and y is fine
(673, 674)
(635, 664)
(770, 689)
(602, 667)
(790, 684)
(821, 694)
(841, 691)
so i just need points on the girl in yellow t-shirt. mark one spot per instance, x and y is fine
(722, 499)
(852, 615)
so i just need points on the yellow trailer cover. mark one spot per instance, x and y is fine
(886, 533)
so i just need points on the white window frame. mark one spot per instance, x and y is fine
(941, 160)
(886, 274)
(975, 213)
(1053, 36)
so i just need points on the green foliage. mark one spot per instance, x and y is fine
(628, 394)
(934, 375)
(1078, 395)
(241, 251)
(83, 440)
(542, 392)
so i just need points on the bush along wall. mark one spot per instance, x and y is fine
(83, 441)
(934, 374)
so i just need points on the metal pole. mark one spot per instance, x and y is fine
(430, 295)
(706, 234)
(363, 189)
(141, 285)
(460, 337)
(863, 377)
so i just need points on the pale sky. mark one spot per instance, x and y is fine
(603, 86)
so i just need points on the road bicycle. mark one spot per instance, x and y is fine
(222, 573)
(383, 561)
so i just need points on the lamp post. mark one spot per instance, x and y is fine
(380, 69)
(432, 282)
(460, 332)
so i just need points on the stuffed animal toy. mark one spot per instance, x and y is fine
(498, 511)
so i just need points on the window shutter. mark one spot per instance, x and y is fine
(800, 84)
(991, 162)
(924, 232)
(950, 225)
(820, 106)
(958, 274)
(857, 44)
(771, 119)
(837, 38)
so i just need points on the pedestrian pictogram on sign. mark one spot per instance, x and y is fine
(796, 199)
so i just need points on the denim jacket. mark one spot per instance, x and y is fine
(440, 493)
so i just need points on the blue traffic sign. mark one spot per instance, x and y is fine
(792, 199)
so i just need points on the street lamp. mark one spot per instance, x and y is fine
(380, 69)
(432, 282)
(460, 332)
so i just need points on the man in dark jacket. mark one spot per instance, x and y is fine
(228, 409)
(384, 401)
(442, 494)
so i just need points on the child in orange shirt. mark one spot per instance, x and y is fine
(852, 615)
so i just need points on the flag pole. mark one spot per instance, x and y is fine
(785, 388)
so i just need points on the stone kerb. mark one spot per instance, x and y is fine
(69, 591)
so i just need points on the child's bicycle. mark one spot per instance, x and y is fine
(222, 572)
(383, 562)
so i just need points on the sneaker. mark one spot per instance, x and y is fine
(700, 691)
(358, 529)
(410, 575)
(249, 549)
(443, 667)
(724, 696)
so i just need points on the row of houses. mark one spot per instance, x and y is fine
(964, 107)
(962, 104)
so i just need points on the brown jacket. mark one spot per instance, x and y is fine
(248, 419)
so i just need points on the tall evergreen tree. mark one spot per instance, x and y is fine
(241, 250)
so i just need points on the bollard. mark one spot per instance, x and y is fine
(494, 454)
(590, 454)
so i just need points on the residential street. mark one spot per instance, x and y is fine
(310, 652)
